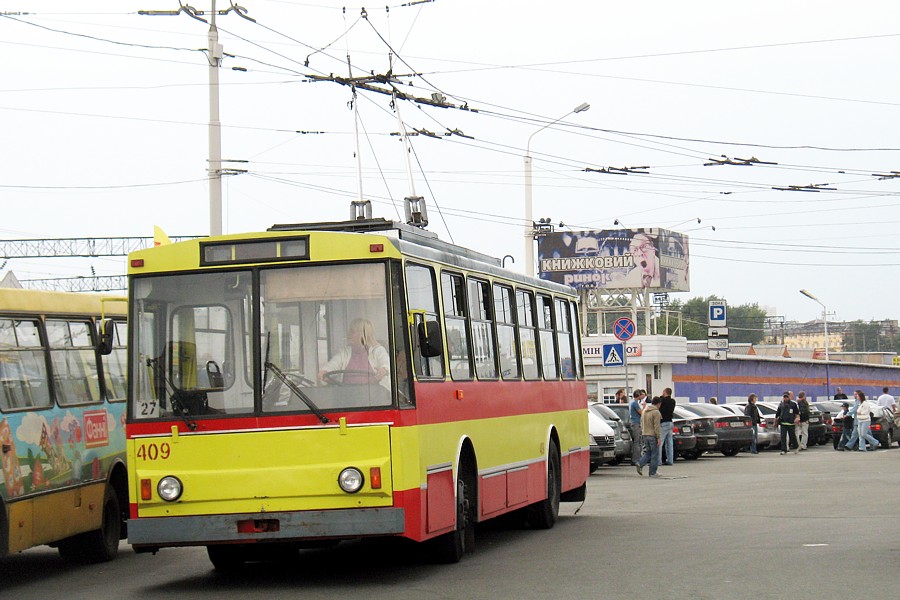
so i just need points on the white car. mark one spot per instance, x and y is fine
(603, 441)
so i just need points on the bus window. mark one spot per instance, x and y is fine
(527, 335)
(564, 339)
(401, 344)
(422, 306)
(74, 362)
(23, 370)
(504, 306)
(545, 325)
(480, 306)
(326, 340)
(576, 340)
(453, 292)
(115, 363)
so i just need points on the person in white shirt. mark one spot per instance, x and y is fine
(886, 399)
(864, 421)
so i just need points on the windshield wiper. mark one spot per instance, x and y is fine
(183, 412)
(296, 390)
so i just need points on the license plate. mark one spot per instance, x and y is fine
(735, 424)
(710, 442)
(608, 453)
(686, 430)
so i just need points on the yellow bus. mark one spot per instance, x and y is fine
(323, 382)
(62, 423)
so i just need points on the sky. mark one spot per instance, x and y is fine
(104, 126)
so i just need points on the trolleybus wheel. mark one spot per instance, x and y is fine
(226, 557)
(543, 514)
(100, 545)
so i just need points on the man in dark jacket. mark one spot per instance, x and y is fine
(787, 416)
(803, 425)
(752, 411)
(666, 440)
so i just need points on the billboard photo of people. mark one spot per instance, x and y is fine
(652, 259)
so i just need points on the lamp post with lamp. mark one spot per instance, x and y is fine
(529, 226)
(825, 321)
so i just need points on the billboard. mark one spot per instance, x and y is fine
(651, 258)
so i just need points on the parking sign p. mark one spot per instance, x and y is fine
(717, 313)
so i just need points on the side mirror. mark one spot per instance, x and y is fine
(430, 342)
(105, 343)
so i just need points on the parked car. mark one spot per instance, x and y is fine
(683, 436)
(819, 431)
(602, 441)
(623, 436)
(734, 432)
(704, 429)
(830, 408)
(768, 435)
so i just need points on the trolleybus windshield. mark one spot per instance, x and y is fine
(316, 339)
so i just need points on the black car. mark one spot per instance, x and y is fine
(704, 429)
(734, 432)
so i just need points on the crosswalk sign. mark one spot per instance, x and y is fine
(613, 355)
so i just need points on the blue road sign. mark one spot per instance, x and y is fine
(623, 329)
(613, 355)
(717, 313)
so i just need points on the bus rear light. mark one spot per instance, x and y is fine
(258, 525)
(376, 248)
(146, 489)
(375, 478)
(137, 262)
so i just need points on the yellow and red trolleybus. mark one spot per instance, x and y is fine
(62, 423)
(343, 380)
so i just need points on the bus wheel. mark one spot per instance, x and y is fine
(227, 557)
(450, 547)
(543, 514)
(100, 545)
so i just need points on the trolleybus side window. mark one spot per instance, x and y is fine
(548, 348)
(115, 363)
(453, 291)
(401, 344)
(74, 362)
(481, 312)
(527, 334)
(421, 302)
(23, 368)
(504, 313)
(576, 331)
(564, 339)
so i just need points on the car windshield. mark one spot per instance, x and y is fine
(605, 412)
(708, 410)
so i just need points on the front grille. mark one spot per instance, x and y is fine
(605, 441)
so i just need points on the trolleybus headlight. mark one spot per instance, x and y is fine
(351, 480)
(169, 488)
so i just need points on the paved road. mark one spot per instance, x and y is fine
(821, 524)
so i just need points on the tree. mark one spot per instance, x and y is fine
(746, 322)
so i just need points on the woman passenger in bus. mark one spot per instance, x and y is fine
(362, 361)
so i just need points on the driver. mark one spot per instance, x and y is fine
(363, 359)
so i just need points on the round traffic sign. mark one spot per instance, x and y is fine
(623, 329)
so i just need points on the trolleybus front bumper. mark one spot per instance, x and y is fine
(150, 534)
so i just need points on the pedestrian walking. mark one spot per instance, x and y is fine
(803, 425)
(650, 438)
(666, 440)
(635, 408)
(854, 430)
(752, 411)
(845, 418)
(864, 421)
(787, 416)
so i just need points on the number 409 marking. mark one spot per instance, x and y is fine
(154, 451)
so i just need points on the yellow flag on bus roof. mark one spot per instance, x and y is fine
(159, 237)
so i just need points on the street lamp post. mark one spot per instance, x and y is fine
(529, 221)
(825, 321)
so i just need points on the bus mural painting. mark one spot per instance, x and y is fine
(62, 427)
(465, 402)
